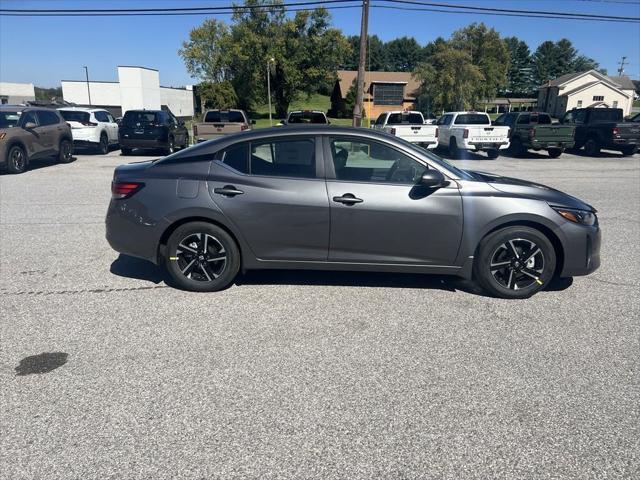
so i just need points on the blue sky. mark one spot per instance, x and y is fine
(47, 50)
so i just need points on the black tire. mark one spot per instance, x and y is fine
(186, 142)
(505, 275)
(555, 152)
(65, 151)
(493, 153)
(103, 146)
(517, 149)
(191, 268)
(125, 151)
(17, 160)
(171, 146)
(592, 147)
(453, 148)
(628, 151)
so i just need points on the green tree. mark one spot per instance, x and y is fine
(218, 95)
(376, 54)
(203, 54)
(403, 54)
(448, 79)
(489, 53)
(519, 74)
(552, 60)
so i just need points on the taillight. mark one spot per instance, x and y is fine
(393, 131)
(121, 190)
(616, 132)
(195, 130)
(465, 134)
(89, 124)
(244, 127)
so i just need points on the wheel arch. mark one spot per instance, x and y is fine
(548, 232)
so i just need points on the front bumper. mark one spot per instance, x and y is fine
(581, 249)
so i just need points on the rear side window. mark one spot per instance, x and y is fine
(284, 158)
(48, 117)
(237, 158)
(102, 117)
(472, 119)
(405, 119)
(133, 118)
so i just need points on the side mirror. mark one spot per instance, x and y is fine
(433, 179)
(30, 126)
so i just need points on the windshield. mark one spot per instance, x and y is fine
(405, 118)
(9, 119)
(463, 174)
(473, 119)
(75, 116)
(307, 117)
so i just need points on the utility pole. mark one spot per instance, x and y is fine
(269, 87)
(621, 69)
(358, 107)
(86, 71)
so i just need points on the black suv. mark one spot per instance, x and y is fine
(152, 129)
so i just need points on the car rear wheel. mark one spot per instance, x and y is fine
(125, 151)
(16, 160)
(103, 146)
(65, 151)
(493, 153)
(171, 146)
(555, 152)
(202, 257)
(592, 147)
(515, 262)
(517, 149)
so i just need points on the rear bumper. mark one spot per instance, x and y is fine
(142, 143)
(484, 146)
(622, 143)
(541, 145)
(430, 144)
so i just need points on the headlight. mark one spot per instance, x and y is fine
(583, 217)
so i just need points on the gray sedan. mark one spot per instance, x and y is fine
(335, 198)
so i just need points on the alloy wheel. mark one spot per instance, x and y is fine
(201, 257)
(517, 264)
(66, 151)
(18, 160)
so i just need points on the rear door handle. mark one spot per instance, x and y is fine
(228, 190)
(348, 199)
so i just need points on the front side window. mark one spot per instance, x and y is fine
(48, 118)
(444, 120)
(361, 160)
(380, 120)
(284, 158)
(29, 117)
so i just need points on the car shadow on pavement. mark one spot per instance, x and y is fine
(131, 267)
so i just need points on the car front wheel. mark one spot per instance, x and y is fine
(202, 257)
(65, 151)
(16, 159)
(515, 262)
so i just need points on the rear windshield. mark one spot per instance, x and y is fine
(606, 115)
(222, 116)
(472, 119)
(405, 119)
(73, 116)
(307, 117)
(9, 119)
(133, 118)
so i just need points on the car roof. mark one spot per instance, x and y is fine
(82, 109)
(306, 111)
(138, 110)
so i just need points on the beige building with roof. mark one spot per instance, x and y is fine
(585, 89)
(383, 91)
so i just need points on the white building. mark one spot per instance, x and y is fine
(137, 87)
(16, 93)
(585, 89)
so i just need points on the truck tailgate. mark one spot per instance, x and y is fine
(414, 133)
(489, 134)
(629, 131)
(207, 131)
(553, 133)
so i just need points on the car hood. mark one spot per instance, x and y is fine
(527, 189)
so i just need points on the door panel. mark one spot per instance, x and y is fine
(395, 224)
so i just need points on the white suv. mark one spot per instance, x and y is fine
(91, 127)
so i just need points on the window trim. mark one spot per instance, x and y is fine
(330, 168)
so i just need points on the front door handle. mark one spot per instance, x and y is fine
(228, 190)
(347, 199)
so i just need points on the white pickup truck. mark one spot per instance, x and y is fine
(471, 131)
(408, 125)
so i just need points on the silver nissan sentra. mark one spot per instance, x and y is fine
(338, 198)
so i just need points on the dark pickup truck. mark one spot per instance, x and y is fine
(598, 128)
(535, 131)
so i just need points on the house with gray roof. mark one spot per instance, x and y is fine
(586, 89)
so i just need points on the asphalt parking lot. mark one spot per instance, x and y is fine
(310, 375)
